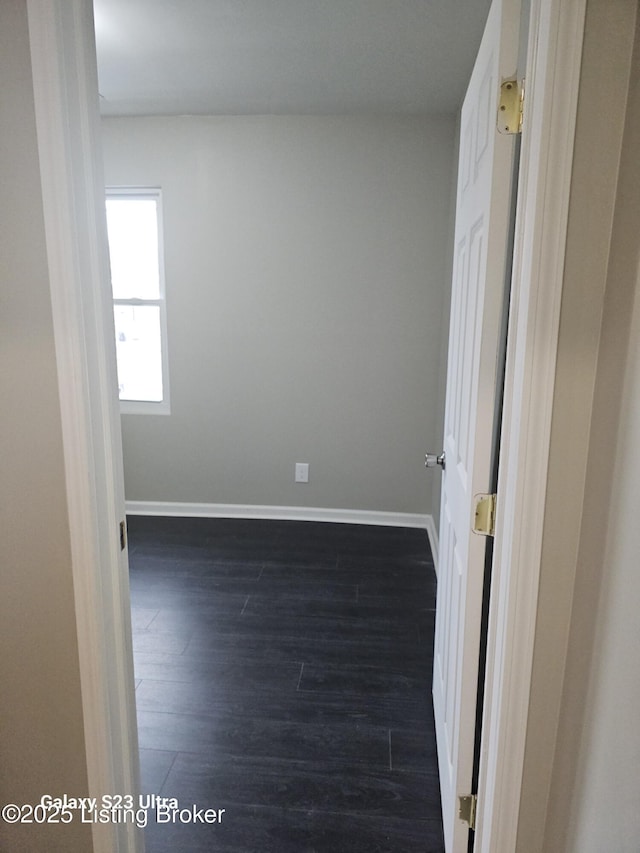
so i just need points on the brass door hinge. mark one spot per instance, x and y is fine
(467, 809)
(484, 520)
(511, 107)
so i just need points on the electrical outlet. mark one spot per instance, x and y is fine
(302, 472)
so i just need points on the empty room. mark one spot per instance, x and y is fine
(281, 270)
(281, 370)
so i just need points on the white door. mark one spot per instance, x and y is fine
(480, 267)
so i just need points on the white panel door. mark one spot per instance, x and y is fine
(479, 273)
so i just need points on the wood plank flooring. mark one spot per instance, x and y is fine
(283, 673)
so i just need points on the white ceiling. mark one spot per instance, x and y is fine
(212, 57)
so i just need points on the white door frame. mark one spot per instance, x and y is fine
(554, 57)
(65, 82)
(65, 88)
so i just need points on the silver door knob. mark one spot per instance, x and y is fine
(431, 460)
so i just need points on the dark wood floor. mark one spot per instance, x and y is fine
(283, 673)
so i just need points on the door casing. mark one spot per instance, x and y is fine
(63, 63)
(554, 53)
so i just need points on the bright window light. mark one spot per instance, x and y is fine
(135, 254)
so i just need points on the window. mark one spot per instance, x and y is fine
(134, 219)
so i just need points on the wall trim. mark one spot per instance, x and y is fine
(432, 533)
(285, 513)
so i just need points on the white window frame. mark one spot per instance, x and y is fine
(147, 407)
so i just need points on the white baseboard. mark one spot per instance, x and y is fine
(288, 513)
(432, 533)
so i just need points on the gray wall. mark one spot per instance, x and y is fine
(306, 265)
(604, 812)
(41, 727)
(598, 745)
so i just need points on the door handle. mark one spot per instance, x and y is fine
(431, 460)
